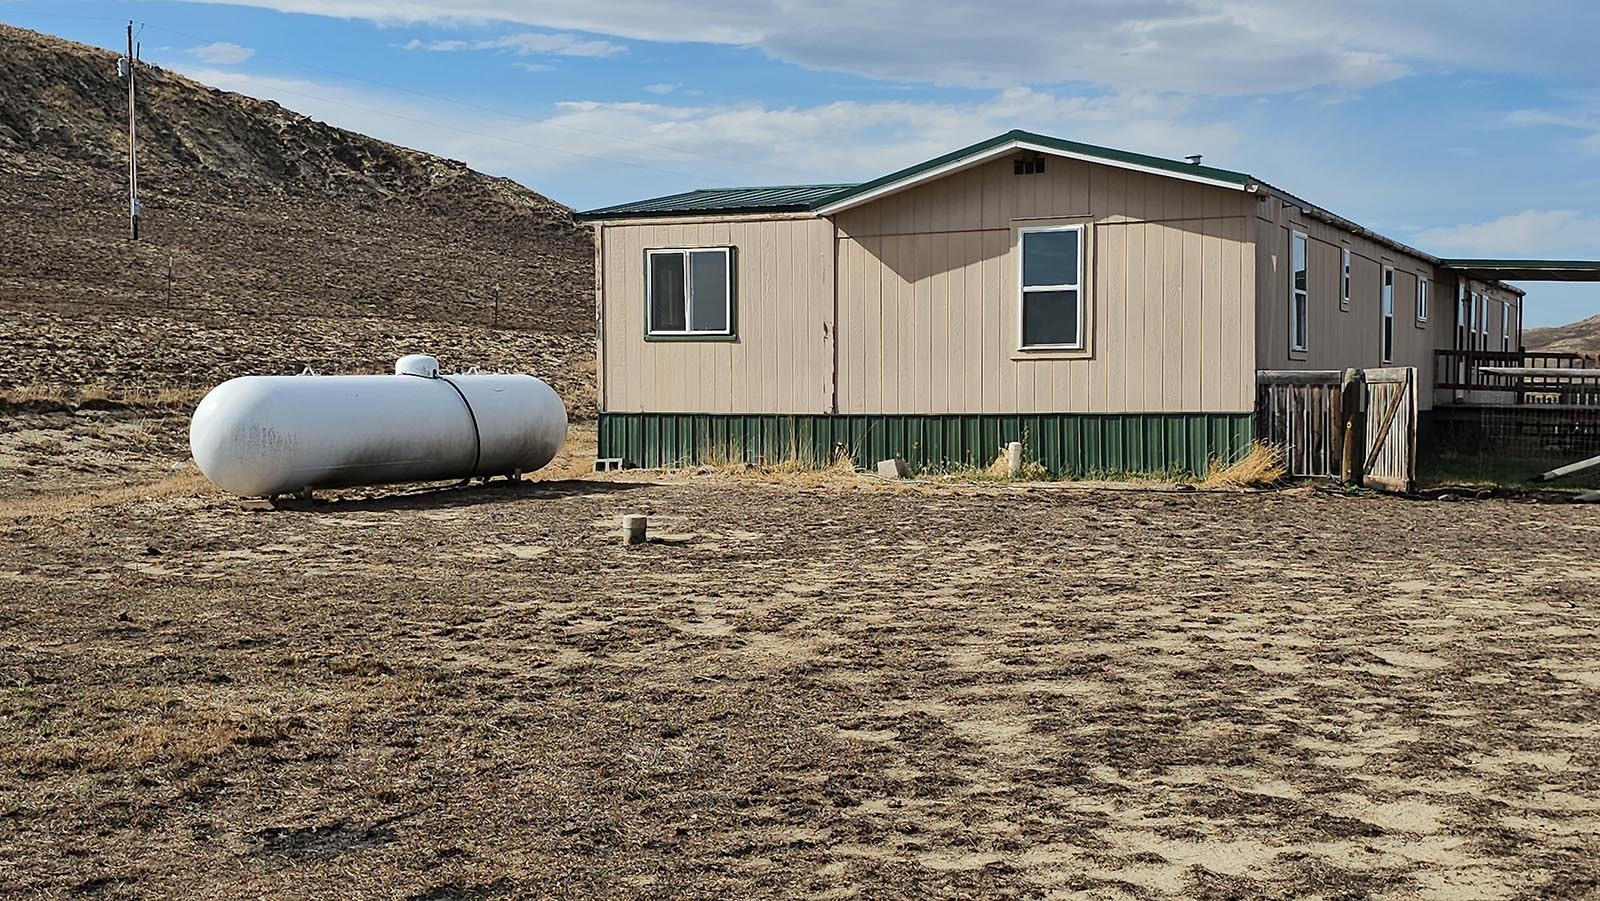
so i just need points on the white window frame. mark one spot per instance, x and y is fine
(1505, 328)
(1023, 290)
(1344, 289)
(1296, 295)
(688, 331)
(1483, 317)
(1386, 313)
(1424, 298)
(1472, 320)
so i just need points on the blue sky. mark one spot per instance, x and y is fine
(1466, 128)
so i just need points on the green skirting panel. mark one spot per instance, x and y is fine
(1072, 445)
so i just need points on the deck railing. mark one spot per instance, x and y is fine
(1469, 372)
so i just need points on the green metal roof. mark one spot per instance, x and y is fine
(806, 198)
(1528, 270)
(709, 201)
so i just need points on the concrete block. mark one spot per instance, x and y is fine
(894, 468)
(633, 529)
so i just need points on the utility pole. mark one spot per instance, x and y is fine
(129, 67)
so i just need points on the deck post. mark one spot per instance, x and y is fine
(1352, 415)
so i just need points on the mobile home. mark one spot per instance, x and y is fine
(1110, 309)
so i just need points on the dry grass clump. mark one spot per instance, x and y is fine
(43, 393)
(185, 483)
(92, 394)
(1030, 471)
(1261, 468)
(184, 739)
(576, 459)
(35, 393)
(143, 432)
(840, 461)
(580, 387)
(798, 465)
(997, 471)
(795, 468)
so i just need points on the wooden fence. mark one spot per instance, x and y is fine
(1298, 410)
(1301, 411)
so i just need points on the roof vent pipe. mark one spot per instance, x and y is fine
(1194, 159)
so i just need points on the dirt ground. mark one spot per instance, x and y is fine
(825, 688)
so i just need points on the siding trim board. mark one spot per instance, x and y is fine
(1072, 445)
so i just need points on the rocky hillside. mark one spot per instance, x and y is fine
(1576, 337)
(270, 241)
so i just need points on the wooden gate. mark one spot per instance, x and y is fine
(1300, 411)
(1391, 445)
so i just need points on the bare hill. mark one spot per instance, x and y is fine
(270, 241)
(1576, 337)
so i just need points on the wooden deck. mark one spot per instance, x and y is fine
(1517, 403)
(1516, 378)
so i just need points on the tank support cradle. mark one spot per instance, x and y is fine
(299, 500)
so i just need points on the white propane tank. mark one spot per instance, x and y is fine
(260, 436)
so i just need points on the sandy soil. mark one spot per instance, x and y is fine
(834, 689)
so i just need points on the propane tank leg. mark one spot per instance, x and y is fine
(514, 476)
(305, 493)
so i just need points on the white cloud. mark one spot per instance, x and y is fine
(848, 140)
(526, 44)
(1583, 117)
(1191, 46)
(662, 89)
(669, 146)
(221, 53)
(1531, 232)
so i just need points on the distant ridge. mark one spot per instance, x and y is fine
(289, 242)
(1576, 337)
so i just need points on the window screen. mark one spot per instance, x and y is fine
(708, 287)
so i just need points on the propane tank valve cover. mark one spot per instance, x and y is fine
(417, 364)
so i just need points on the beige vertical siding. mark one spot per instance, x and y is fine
(1340, 338)
(782, 361)
(928, 295)
(1187, 296)
(1498, 298)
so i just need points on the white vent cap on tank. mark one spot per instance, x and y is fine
(417, 364)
